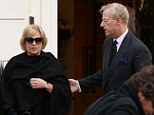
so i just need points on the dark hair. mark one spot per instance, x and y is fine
(144, 82)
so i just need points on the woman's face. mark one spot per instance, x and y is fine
(33, 44)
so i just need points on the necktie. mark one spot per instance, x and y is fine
(113, 50)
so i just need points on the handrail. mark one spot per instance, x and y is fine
(2, 65)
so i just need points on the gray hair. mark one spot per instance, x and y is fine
(117, 10)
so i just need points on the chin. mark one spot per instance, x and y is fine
(108, 36)
(34, 54)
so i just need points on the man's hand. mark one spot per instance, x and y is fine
(74, 85)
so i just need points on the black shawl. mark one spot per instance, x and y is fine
(17, 93)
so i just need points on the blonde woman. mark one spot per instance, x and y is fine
(33, 82)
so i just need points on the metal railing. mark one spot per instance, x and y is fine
(2, 65)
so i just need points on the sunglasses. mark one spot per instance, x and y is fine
(31, 40)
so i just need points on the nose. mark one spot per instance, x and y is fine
(34, 42)
(101, 24)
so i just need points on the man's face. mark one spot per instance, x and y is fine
(146, 104)
(109, 24)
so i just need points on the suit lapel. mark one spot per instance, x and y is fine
(121, 53)
(107, 52)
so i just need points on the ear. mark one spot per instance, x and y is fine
(119, 20)
(140, 95)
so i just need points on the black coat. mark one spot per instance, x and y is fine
(17, 94)
(124, 101)
(131, 57)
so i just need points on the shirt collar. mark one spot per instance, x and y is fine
(121, 38)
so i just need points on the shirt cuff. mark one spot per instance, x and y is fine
(79, 87)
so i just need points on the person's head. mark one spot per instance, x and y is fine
(33, 39)
(144, 82)
(132, 19)
(115, 19)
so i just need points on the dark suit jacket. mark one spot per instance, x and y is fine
(124, 101)
(131, 57)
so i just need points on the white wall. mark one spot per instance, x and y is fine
(49, 23)
(13, 18)
(45, 14)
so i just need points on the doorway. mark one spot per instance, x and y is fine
(82, 52)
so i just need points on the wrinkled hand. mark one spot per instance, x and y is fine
(74, 85)
(38, 83)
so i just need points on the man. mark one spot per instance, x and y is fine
(131, 54)
(134, 97)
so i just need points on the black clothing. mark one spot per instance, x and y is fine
(113, 50)
(124, 101)
(18, 95)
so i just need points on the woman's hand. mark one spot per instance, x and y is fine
(38, 83)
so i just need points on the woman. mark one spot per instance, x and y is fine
(33, 82)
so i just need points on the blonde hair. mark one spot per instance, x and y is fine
(31, 30)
